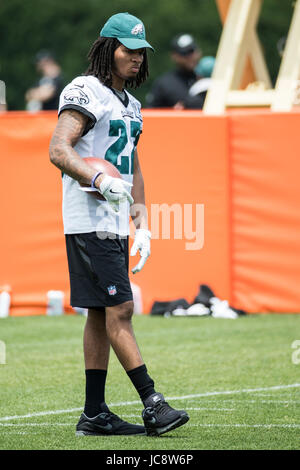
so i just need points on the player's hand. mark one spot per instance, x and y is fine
(114, 190)
(142, 244)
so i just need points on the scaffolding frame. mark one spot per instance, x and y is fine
(239, 42)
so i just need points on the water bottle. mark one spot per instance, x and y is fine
(4, 301)
(55, 304)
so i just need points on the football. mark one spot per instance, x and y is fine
(99, 164)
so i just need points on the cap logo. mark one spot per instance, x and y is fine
(185, 40)
(137, 29)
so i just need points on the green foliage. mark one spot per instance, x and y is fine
(69, 28)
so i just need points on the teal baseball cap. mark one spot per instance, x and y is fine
(128, 29)
(205, 66)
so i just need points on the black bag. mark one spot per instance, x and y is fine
(160, 308)
(204, 295)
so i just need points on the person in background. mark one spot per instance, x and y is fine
(44, 95)
(3, 105)
(171, 90)
(203, 70)
(281, 43)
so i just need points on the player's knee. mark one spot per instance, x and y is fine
(122, 312)
(126, 311)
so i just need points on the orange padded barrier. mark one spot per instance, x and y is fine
(242, 166)
(184, 159)
(265, 198)
(33, 258)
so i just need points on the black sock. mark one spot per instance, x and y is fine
(142, 382)
(94, 391)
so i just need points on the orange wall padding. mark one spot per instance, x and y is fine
(32, 244)
(242, 166)
(184, 159)
(265, 208)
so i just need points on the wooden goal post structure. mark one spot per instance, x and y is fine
(240, 52)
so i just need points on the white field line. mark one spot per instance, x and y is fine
(242, 425)
(20, 433)
(33, 424)
(131, 415)
(265, 395)
(182, 397)
(208, 425)
(232, 392)
(284, 402)
(240, 402)
(209, 409)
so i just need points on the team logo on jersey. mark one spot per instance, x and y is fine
(75, 95)
(127, 114)
(112, 290)
(138, 29)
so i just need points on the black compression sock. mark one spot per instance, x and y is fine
(142, 382)
(94, 391)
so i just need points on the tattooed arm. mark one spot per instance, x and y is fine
(69, 129)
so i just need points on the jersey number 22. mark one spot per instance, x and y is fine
(113, 153)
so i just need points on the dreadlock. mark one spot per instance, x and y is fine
(101, 57)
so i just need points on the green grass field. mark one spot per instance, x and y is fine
(236, 378)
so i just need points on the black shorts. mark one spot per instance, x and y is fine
(98, 270)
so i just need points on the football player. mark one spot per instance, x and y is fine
(99, 117)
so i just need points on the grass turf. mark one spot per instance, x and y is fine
(204, 365)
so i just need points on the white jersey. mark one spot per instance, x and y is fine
(113, 133)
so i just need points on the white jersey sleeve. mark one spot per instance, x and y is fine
(82, 96)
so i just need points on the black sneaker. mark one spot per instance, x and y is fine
(159, 417)
(106, 424)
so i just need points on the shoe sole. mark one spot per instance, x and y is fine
(86, 433)
(175, 424)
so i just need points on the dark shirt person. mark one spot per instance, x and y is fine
(3, 106)
(171, 90)
(44, 95)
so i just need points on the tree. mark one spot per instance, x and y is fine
(69, 28)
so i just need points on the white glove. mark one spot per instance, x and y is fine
(142, 243)
(114, 190)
